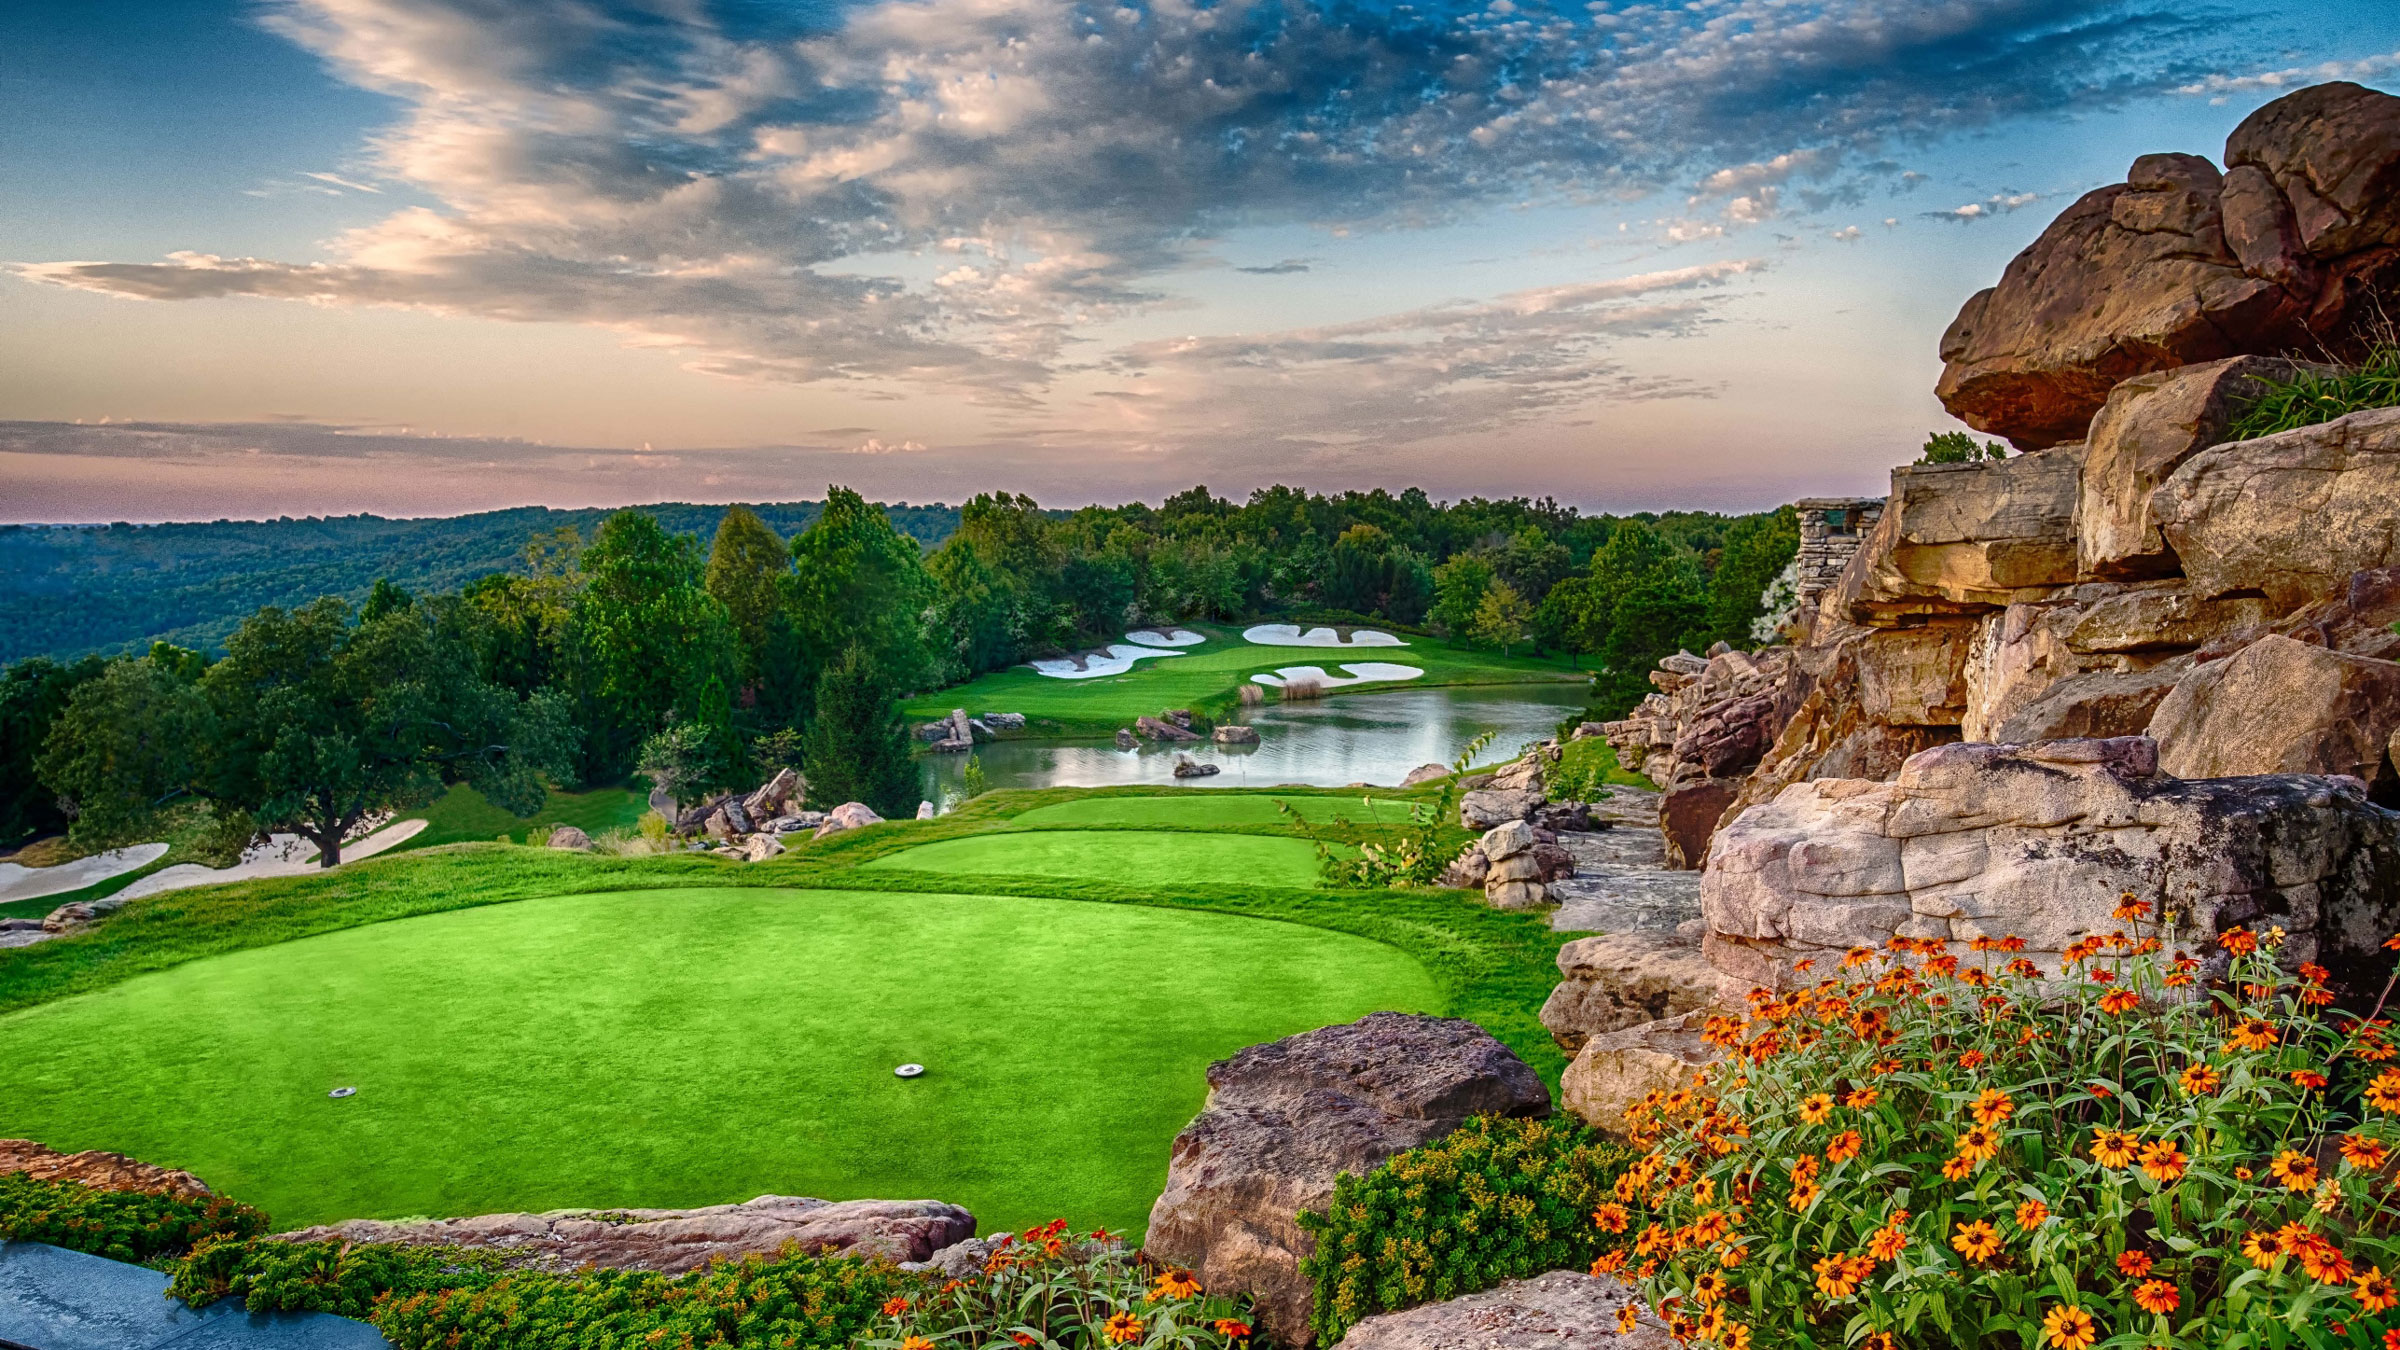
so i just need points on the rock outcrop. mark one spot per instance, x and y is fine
(847, 816)
(1621, 980)
(2290, 516)
(673, 1241)
(1562, 1308)
(2281, 705)
(569, 837)
(1284, 1119)
(1615, 1069)
(102, 1171)
(2181, 264)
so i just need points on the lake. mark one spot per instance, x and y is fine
(1344, 739)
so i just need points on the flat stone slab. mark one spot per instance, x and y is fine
(1562, 1308)
(1621, 883)
(55, 1299)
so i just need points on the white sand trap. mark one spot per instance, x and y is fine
(1151, 637)
(1116, 660)
(18, 882)
(283, 855)
(1289, 635)
(1361, 672)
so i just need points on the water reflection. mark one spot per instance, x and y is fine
(1355, 738)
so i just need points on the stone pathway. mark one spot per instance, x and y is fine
(1621, 881)
(55, 1299)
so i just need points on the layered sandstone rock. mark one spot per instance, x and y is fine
(2290, 516)
(1284, 1119)
(1620, 980)
(102, 1171)
(2180, 265)
(2281, 705)
(672, 1241)
(2038, 842)
(1967, 535)
(1564, 1307)
(1618, 1068)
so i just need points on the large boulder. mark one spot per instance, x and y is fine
(2094, 705)
(2290, 516)
(101, 1171)
(2038, 842)
(1687, 816)
(1284, 1119)
(776, 796)
(569, 837)
(1963, 537)
(1488, 807)
(1621, 980)
(847, 816)
(1562, 1308)
(672, 1241)
(2179, 265)
(2282, 706)
(2144, 432)
(1616, 1069)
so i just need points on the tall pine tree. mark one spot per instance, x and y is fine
(856, 749)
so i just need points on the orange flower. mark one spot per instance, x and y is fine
(1844, 1146)
(1709, 1287)
(893, 1307)
(2363, 1153)
(1227, 1326)
(2032, 1214)
(2118, 1001)
(2264, 1247)
(2133, 1263)
(2128, 907)
(1816, 1109)
(1889, 1241)
(1973, 1059)
(915, 1343)
(2113, 1148)
(1859, 1099)
(1627, 1316)
(1833, 1276)
(1958, 1169)
(2242, 942)
(2384, 1092)
(2375, 1290)
(2157, 1296)
(1976, 1241)
(1979, 1143)
(2067, 1327)
(1803, 1195)
(2162, 1161)
(1024, 1338)
(2325, 1263)
(2252, 1033)
(2200, 1080)
(2297, 1173)
(1120, 1328)
(1992, 1106)
(1611, 1218)
(1175, 1284)
(1736, 1337)
(2308, 1078)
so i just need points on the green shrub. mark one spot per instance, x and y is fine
(448, 1298)
(121, 1225)
(1957, 447)
(1500, 1199)
(1058, 1290)
(2312, 397)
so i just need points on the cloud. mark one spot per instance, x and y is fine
(1848, 234)
(1998, 204)
(1283, 268)
(2217, 86)
(732, 185)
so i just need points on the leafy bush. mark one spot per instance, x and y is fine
(1957, 447)
(120, 1225)
(1421, 853)
(446, 1298)
(1056, 1290)
(1973, 1152)
(1499, 1199)
(2312, 397)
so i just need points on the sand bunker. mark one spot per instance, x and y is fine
(1151, 637)
(30, 883)
(1361, 672)
(1116, 660)
(1289, 635)
(283, 855)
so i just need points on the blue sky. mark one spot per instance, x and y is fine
(434, 255)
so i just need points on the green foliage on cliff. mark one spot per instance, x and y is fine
(2315, 396)
(131, 1226)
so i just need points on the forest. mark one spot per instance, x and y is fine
(788, 638)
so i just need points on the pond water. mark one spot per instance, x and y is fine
(1346, 738)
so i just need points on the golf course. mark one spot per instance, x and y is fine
(528, 1029)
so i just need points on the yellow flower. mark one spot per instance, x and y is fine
(1979, 1143)
(1709, 1287)
(1991, 1106)
(1976, 1241)
(1120, 1328)
(2363, 1153)
(2200, 1080)
(2113, 1148)
(2264, 1247)
(2067, 1327)
(1175, 1284)
(1803, 1195)
(1736, 1337)
(1833, 1276)
(1817, 1109)
(2162, 1161)
(2297, 1173)
(2384, 1092)
(1627, 1316)
(2253, 1033)
(2376, 1291)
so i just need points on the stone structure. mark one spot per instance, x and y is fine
(673, 1241)
(1831, 529)
(1284, 1119)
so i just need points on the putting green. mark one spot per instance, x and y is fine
(690, 1047)
(1198, 807)
(1135, 856)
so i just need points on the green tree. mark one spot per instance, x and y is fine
(862, 583)
(1502, 618)
(1663, 610)
(1957, 447)
(128, 742)
(1757, 549)
(750, 574)
(33, 692)
(522, 617)
(680, 759)
(857, 746)
(1458, 587)
(647, 640)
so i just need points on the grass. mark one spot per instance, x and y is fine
(1134, 855)
(461, 815)
(507, 1004)
(2311, 397)
(692, 1046)
(1206, 677)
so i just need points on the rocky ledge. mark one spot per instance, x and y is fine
(104, 1171)
(1562, 1308)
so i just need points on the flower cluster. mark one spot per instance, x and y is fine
(1050, 1289)
(1947, 1146)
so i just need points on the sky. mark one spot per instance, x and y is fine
(420, 257)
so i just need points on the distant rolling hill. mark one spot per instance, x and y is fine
(67, 590)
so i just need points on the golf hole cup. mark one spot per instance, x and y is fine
(909, 1071)
(343, 1092)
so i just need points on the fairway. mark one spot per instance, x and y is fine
(1136, 857)
(1200, 806)
(690, 1047)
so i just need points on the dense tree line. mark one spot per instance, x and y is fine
(639, 649)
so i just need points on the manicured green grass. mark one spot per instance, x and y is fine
(692, 1046)
(1195, 807)
(1138, 857)
(461, 815)
(1206, 676)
